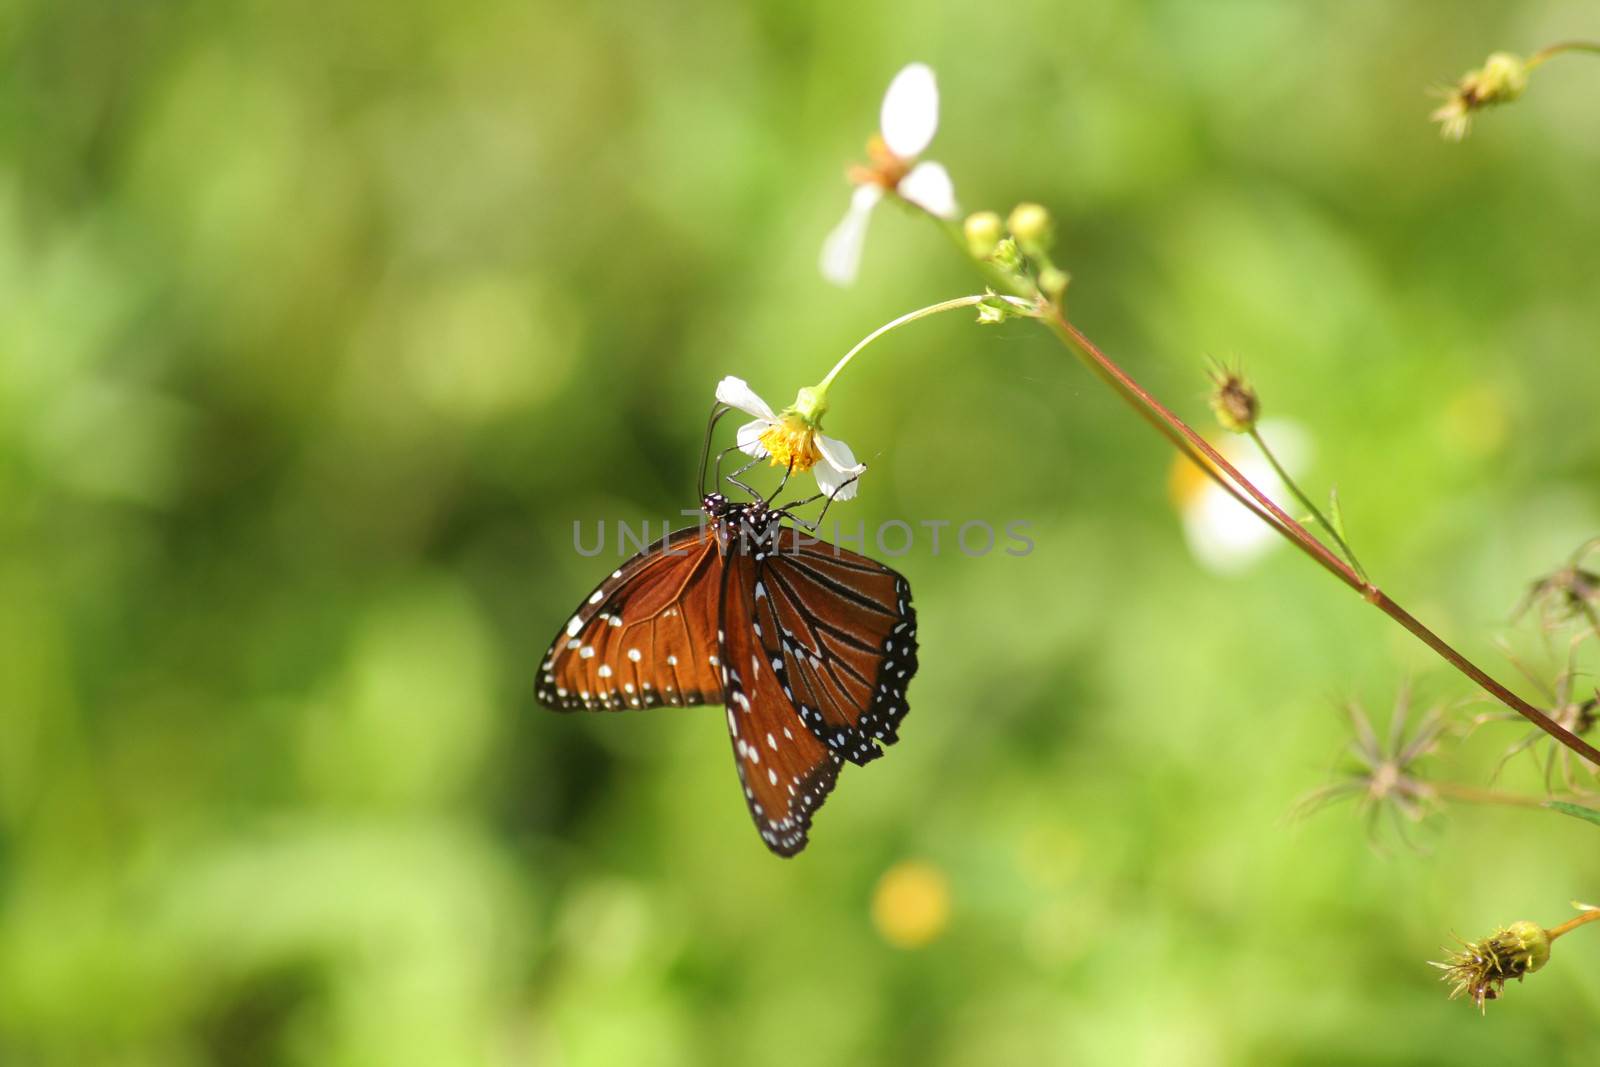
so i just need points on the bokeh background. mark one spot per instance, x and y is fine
(321, 324)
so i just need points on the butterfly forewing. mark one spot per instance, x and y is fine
(785, 770)
(644, 637)
(845, 637)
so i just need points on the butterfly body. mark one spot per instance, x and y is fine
(809, 647)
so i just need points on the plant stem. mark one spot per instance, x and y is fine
(912, 316)
(1305, 502)
(1302, 538)
(1573, 923)
(1468, 794)
(1210, 461)
(1563, 46)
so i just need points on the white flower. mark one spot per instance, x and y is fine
(1222, 533)
(793, 439)
(906, 125)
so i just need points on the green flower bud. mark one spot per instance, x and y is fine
(1006, 257)
(1032, 226)
(983, 230)
(1500, 80)
(1053, 283)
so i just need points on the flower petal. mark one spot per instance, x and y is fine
(749, 438)
(841, 252)
(734, 392)
(837, 484)
(838, 475)
(910, 111)
(837, 454)
(929, 187)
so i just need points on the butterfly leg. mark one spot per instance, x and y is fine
(833, 496)
(781, 483)
(734, 476)
(733, 479)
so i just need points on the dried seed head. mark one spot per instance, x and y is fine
(1480, 970)
(1234, 401)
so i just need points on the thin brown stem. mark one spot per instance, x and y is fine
(1196, 447)
(1305, 502)
(1381, 601)
(1469, 794)
(1209, 460)
(1176, 428)
(1573, 923)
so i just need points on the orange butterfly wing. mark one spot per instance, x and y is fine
(644, 637)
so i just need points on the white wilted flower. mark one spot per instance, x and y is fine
(909, 118)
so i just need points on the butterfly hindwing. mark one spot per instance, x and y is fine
(844, 631)
(644, 637)
(785, 770)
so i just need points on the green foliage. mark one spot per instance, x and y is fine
(1577, 811)
(320, 325)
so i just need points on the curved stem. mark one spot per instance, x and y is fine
(913, 316)
(1573, 923)
(1562, 46)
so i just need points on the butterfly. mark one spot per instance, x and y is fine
(808, 646)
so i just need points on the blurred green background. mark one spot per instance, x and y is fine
(321, 324)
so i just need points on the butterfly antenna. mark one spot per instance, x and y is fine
(718, 410)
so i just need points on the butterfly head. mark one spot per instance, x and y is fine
(740, 526)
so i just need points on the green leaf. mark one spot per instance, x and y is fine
(1577, 811)
(1336, 514)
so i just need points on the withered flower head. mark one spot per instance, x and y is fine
(1384, 774)
(1481, 969)
(1234, 400)
(1500, 80)
(1576, 711)
(1566, 592)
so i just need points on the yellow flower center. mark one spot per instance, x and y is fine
(792, 443)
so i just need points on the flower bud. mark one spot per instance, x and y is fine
(1502, 79)
(983, 231)
(1006, 257)
(1032, 226)
(1053, 283)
